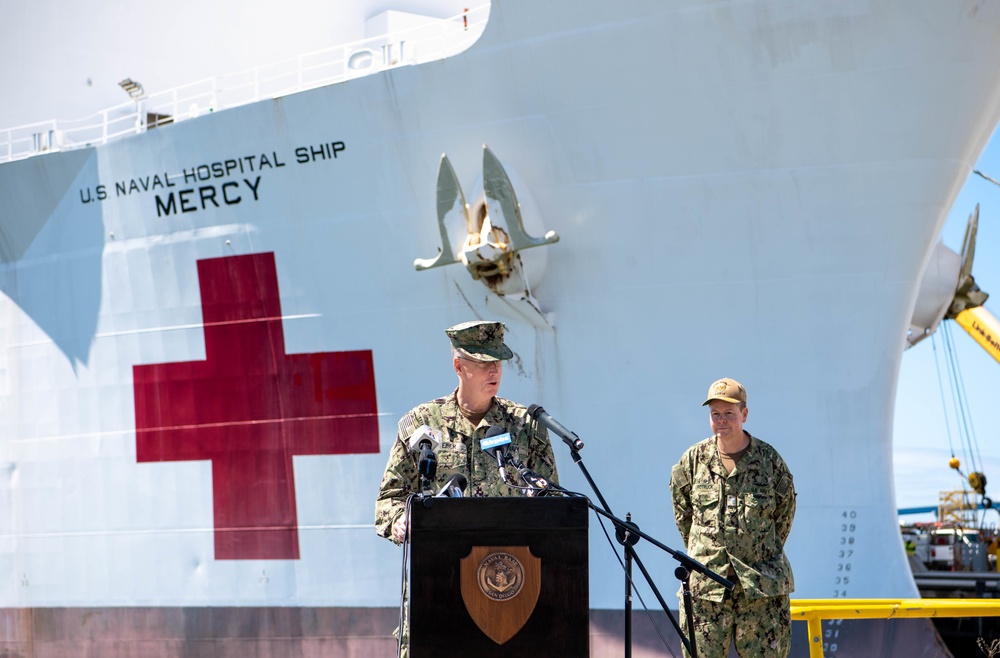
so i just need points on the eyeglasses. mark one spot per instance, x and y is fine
(483, 365)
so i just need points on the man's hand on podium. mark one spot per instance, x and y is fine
(399, 529)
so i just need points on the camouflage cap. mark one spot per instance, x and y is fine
(727, 390)
(480, 340)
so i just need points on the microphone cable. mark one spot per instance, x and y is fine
(404, 581)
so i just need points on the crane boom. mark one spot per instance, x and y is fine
(983, 327)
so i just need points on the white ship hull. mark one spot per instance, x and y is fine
(744, 189)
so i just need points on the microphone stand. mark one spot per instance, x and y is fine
(627, 530)
(628, 539)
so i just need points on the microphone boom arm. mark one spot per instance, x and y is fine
(687, 561)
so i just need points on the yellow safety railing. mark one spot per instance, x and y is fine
(814, 611)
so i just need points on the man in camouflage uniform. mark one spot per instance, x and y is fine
(463, 417)
(478, 353)
(734, 500)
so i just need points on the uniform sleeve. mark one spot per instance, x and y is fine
(398, 482)
(680, 492)
(785, 509)
(540, 456)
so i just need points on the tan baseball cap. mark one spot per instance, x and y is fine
(727, 390)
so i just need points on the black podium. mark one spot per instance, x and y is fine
(499, 576)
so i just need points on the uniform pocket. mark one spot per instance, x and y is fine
(706, 507)
(757, 521)
(759, 503)
(452, 458)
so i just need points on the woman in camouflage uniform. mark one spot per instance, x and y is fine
(734, 500)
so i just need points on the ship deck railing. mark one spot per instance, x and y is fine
(815, 611)
(432, 41)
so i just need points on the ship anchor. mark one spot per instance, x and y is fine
(494, 236)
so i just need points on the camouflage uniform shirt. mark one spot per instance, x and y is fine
(739, 519)
(459, 452)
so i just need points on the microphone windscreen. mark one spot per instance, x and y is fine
(494, 441)
(422, 433)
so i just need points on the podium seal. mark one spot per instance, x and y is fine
(500, 587)
(500, 576)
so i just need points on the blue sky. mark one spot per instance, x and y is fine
(921, 447)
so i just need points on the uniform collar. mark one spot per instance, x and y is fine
(715, 459)
(492, 416)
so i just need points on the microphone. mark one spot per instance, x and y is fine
(571, 439)
(424, 440)
(535, 480)
(495, 445)
(539, 485)
(454, 487)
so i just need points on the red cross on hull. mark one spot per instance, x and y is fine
(249, 408)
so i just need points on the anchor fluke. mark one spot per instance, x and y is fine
(501, 200)
(450, 204)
